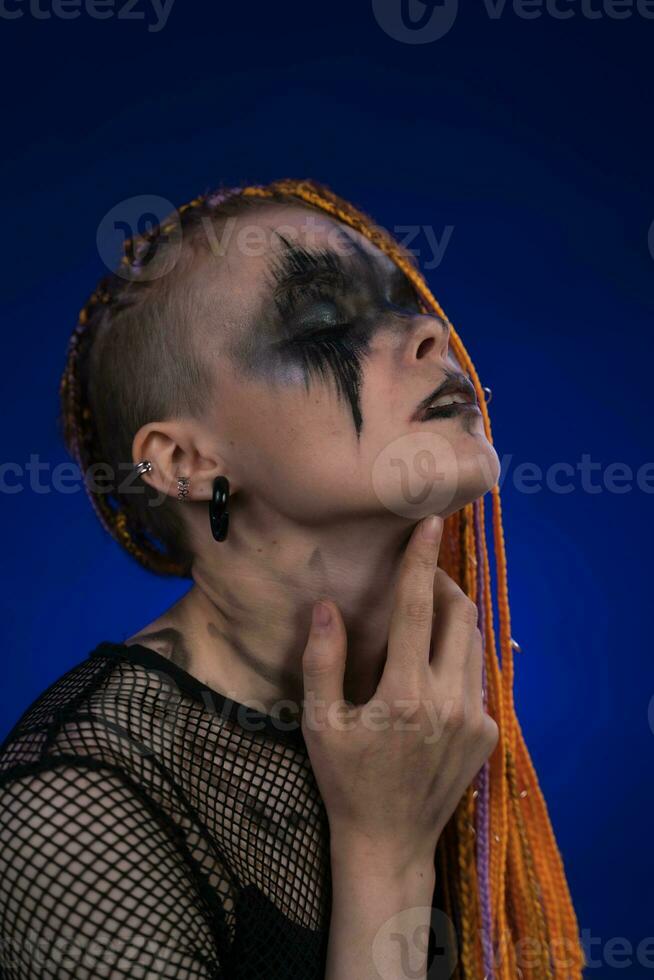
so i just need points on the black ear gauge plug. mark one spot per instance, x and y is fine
(218, 514)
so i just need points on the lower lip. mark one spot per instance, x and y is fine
(451, 411)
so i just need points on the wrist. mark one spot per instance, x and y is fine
(355, 857)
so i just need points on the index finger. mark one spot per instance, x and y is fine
(409, 635)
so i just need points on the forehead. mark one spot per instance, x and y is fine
(234, 281)
(258, 238)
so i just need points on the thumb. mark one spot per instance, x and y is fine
(323, 660)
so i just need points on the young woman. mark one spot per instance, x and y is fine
(310, 765)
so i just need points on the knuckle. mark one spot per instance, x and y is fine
(455, 716)
(477, 727)
(492, 730)
(425, 557)
(316, 664)
(488, 732)
(465, 610)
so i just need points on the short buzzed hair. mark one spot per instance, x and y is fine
(140, 361)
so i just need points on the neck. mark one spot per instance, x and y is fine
(245, 621)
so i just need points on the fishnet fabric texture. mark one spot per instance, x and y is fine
(151, 827)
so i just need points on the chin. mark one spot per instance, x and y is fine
(477, 473)
(433, 471)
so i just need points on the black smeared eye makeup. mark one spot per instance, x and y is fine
(300, 274)
(402, 293)
(325, 308)
(319, 286)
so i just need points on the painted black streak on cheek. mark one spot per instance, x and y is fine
(336, 362)
(349, 380)
(340, 364)
(382, 322)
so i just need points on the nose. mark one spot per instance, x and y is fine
(429, 338)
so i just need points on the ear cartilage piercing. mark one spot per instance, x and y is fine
(143, 466)
(182, 487)
(489, 394)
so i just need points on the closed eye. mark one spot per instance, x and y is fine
(322, 318)
(327, 334)
(403, 294)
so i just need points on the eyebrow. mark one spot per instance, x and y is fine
(295, 267)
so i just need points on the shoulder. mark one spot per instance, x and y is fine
(92, 867)
(27, 740)
(110, 707)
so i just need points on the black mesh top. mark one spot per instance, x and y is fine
(152, 827)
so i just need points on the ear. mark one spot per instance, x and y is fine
(179, 448)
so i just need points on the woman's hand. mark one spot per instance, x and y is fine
(392, 771)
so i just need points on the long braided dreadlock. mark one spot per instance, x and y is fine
(500, 876)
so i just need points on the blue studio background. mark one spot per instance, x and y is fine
(525, 143)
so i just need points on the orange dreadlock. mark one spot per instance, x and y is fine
(533, 927)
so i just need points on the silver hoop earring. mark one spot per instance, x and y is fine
(143, 466)
(182, 487)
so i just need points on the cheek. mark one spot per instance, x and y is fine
(295, 448)
(284, 374)
(310, 472)
(386, 404)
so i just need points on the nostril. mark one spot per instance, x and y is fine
(424, 347)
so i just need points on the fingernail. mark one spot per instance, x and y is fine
(430, 527)
(321, 615)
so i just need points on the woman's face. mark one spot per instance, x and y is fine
(322, 361)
